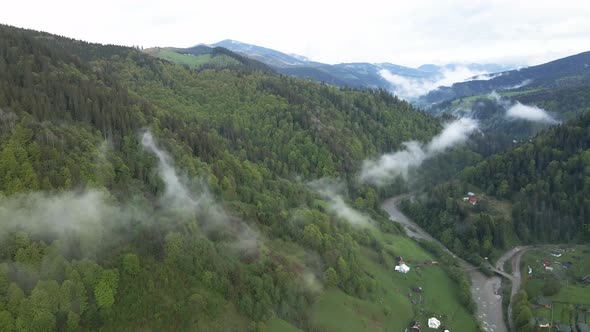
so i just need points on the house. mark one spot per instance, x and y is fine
(548, 265)
(402, 268)
(543, 302)
(541, 322)
(433, 323)
(470, 198)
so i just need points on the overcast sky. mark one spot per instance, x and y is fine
(402, 32)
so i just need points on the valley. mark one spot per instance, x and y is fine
(233, 187)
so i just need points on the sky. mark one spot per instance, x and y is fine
(409, 33)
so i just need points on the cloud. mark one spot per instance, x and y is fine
(519, 111)
(176, 193)
(413, 87)
(331, 190)
(392, 165)
(529, 113)
(92, 219)
(210, 214)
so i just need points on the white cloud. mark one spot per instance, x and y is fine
(392, 165)
(408, 33)
(331, 190)
(414, 87)
(519, 111)
(530, 113)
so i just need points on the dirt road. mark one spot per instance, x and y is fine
(485, 290)
(514, 254)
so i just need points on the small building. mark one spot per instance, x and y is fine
(417, 289)
(555, 254)
(415, 326)
(530, 270)
(541, 322)
(543, 302)
(585, 279)
(472, 200)
(470, 194)
(402, 268)
(433, 323)
(548, 265)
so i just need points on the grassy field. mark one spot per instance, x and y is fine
(571, 293)
(279, 325)
(194, 61)
(393, 309)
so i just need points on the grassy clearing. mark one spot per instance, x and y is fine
(194, 61)
(392, 309)
(279, 325)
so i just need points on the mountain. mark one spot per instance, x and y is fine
(202, 56)
(139, 194)
(562, 73)
(263, 54)
(535, 192)
(515, 105)
(352, 75)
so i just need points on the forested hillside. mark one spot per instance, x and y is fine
(537, 192)
(210, 223)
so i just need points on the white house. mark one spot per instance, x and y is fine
(402, 268)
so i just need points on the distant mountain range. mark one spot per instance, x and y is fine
(355, 75)
(571, 71)
(515, 105)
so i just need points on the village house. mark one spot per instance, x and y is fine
(543, 302)
(402, 267)
(548, 265)
(541, 322)
(470, 198)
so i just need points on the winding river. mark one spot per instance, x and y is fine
(485, 290)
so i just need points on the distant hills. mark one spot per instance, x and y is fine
(567, 72)
(354, 75)
(515, 105)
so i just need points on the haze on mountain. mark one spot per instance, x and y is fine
(329, 186)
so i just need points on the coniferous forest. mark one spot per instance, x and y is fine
(142, 194)
(101, 247)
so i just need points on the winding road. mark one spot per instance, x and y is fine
(485, 290)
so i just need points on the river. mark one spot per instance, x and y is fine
(485, 290)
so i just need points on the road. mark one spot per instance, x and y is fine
(485, 290)
(514, 254)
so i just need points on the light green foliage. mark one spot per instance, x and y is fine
(106, 288)
(131, 264)
(6, 321)
(253, 136)
(331, 277)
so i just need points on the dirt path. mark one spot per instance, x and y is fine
(514, 254)
(485, 290)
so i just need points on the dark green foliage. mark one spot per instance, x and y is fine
(71, 116)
